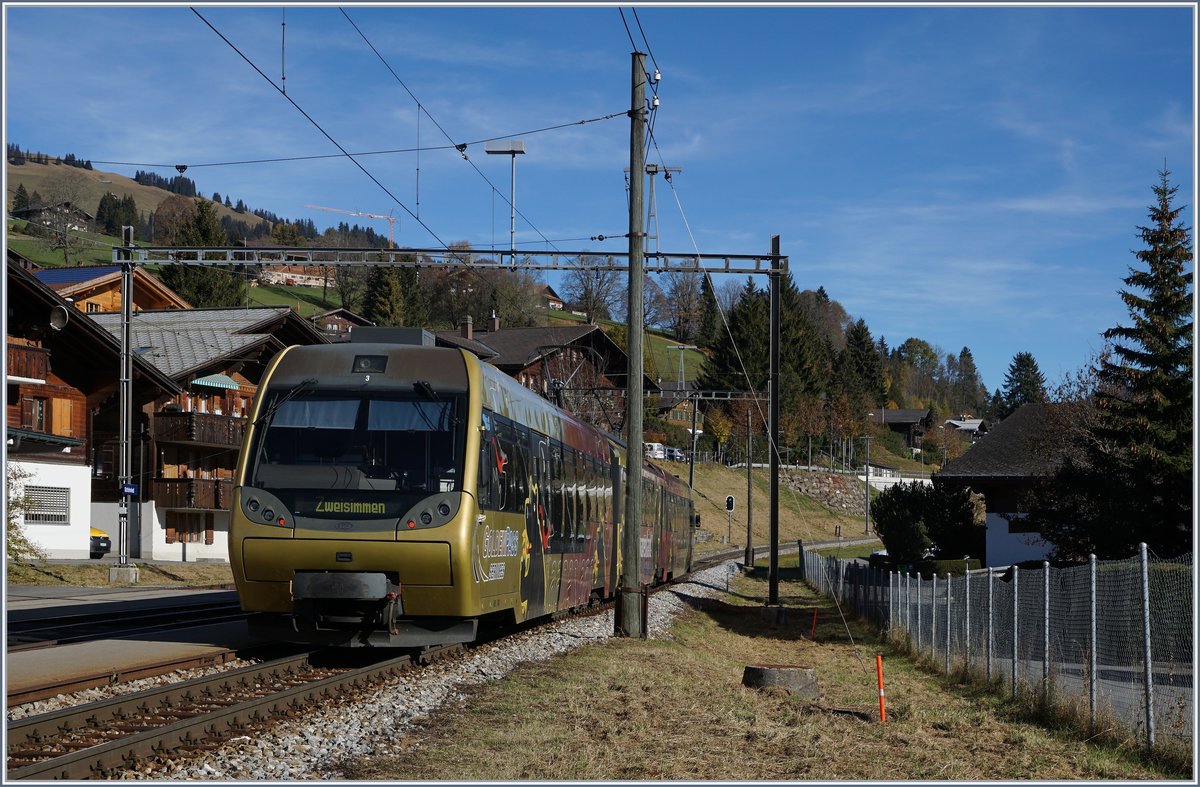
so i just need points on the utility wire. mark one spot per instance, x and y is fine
(389, 151)
(308, 117)
(461, 147)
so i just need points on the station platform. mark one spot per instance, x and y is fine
(98, 662)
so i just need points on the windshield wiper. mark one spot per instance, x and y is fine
(295, 391)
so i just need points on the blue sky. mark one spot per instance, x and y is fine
(971, 176)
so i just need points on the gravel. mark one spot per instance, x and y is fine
(85, 696)
(312, 747)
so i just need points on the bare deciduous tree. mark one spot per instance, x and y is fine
(61, 218)
(683, 305)
(594, 291)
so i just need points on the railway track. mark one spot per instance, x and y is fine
(101, 738)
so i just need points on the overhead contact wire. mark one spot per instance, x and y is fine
(317, 125)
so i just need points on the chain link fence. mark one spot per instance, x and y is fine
(1110, 641)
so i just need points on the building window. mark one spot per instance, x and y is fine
(48, 505)
(93, 307)
(33, 414)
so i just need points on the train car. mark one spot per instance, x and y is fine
(397, 495)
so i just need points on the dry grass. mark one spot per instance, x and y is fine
(95, 574)
(676, 709)
(800, 517)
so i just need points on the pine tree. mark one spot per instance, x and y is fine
(1024, 384)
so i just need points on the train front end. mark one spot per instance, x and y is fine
(353, 517)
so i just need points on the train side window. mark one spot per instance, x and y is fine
(487, 462)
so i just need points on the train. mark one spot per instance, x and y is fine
(391, 495)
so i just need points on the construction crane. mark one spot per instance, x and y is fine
(391, 220)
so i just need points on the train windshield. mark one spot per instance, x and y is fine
(324, 440)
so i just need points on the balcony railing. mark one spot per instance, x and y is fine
(30, 362)
(206, 428)
(210, 494)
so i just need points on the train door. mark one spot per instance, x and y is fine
(537, 525)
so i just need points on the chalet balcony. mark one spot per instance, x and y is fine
(202, 494)
(29, 362)
(197, 428)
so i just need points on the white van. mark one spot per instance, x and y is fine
(655, 451)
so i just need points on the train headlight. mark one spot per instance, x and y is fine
(253, 504)
(426, 518)
(444, 509)
(269, 514)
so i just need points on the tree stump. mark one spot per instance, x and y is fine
(799, 681)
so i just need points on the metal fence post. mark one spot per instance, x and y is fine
(1092, 644)
(989, 626)
(1045, 628)
(918, 614)
(1015, 624)
(933, 620)
(948, 626)
(967, 618)
(1147, 655)
(907, 606)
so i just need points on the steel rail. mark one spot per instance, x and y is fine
(205, 727)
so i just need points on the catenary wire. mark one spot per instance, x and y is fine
(310, 119)
(461, 147)
(390, 151)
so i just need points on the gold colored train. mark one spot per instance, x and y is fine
(399, 495)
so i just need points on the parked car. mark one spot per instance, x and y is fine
(100, 545)
(655, 451)
(675, 454)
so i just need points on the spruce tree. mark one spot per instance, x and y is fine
(744, 344)
(859, 368)
(383, 303)
(1145, 391)
(201, 285)
(20, 198)
(1024, 384)
(1127, 476)
(711, 324)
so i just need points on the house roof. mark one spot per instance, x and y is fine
(181, 342)
(1008, 450)
(58, 278)
(900, 416)
(672, 393)
(513, 349)
(33, 211)
(71, 281)
(345, 314)
(81, 346)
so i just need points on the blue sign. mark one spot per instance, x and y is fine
(129, 489)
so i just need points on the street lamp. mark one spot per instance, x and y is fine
(867, 525)
(511, 148)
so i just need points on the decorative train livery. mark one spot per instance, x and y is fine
(400, 495)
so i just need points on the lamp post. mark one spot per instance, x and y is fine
(867, 493)
(511, 148)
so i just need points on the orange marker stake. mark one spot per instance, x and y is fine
(814, 625)
(879, 672)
